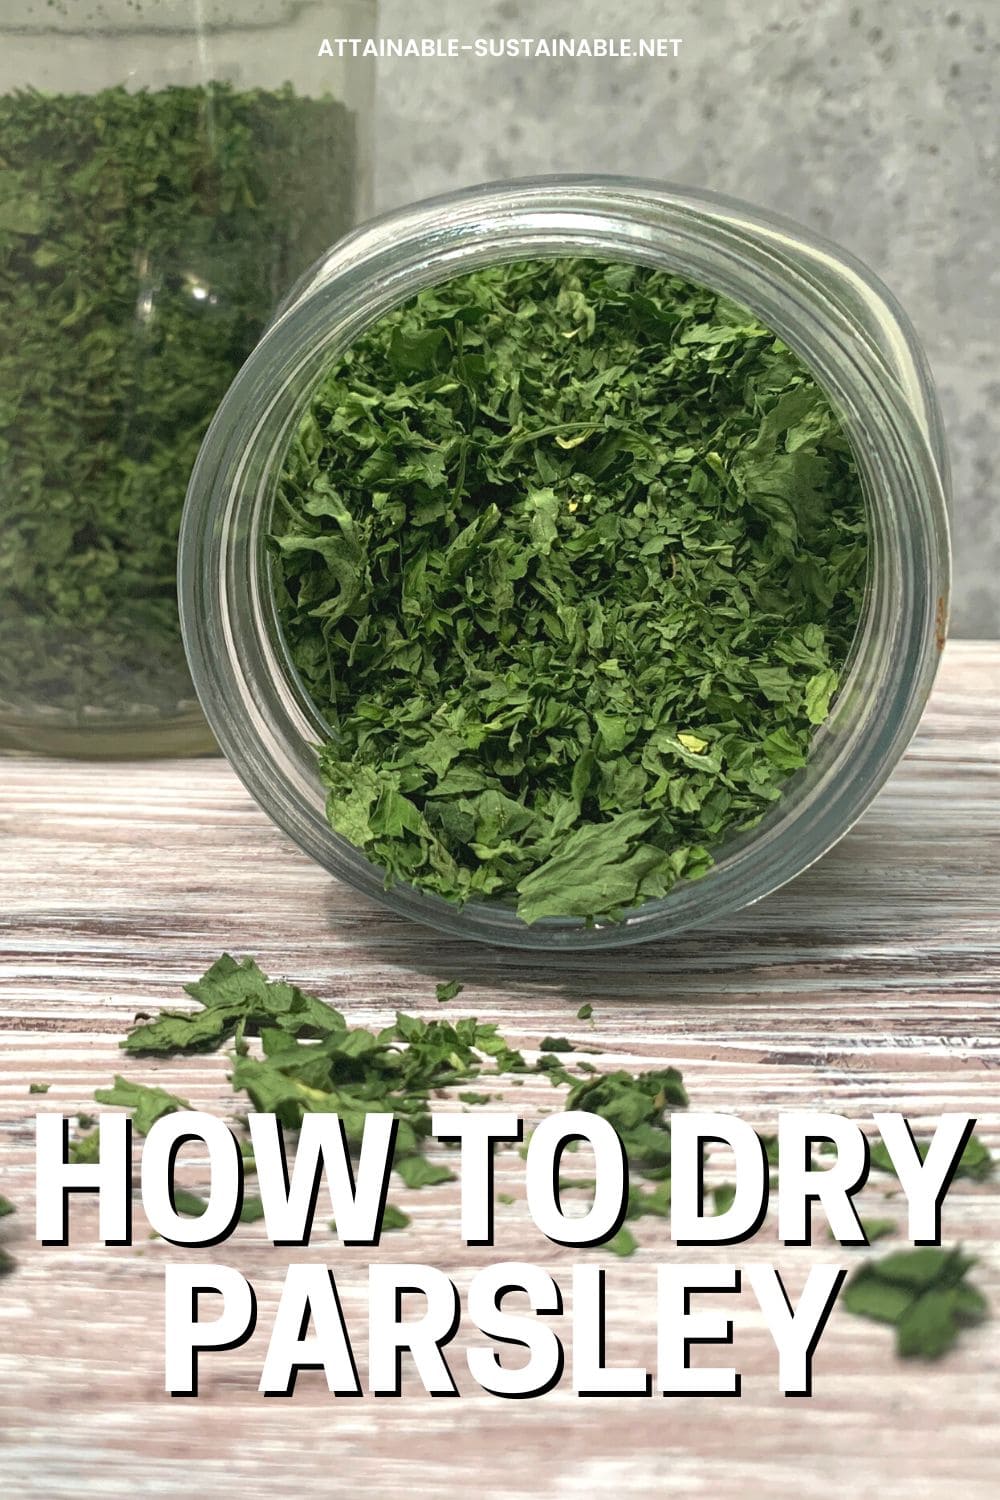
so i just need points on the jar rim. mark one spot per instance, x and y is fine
(830, 310)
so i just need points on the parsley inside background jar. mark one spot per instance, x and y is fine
(166, 172)
(831, 313)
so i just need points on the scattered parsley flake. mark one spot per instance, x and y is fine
(394, 1218)
(147, 1104)
(975, 1162)
(418, 1172)
(233, 994)
(623, 1243)
(723, 1196)
(86, 1148)
(556, 1044)
(186, 1202)
(194, 1204)
(875, 1229)
(923, 1293)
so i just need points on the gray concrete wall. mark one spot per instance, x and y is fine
(878, 124)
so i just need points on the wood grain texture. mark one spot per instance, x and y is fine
(870, 983)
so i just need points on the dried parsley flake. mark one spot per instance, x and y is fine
(924, 1293)
(570, 556)
(7, 1261)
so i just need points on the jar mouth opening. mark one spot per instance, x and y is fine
(251, 692)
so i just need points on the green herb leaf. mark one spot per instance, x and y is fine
(418, 1172)
(623, 1243)
(723, 1197)
(976, 1161)
(86, 1148)
(147, 1104)
(394, 1218)
(923, 1292)
(145, 236)
(234, 994)
(555, 1044)
(189, 1203)
(569, 556)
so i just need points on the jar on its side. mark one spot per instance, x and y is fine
(167, 170)
(829, 309)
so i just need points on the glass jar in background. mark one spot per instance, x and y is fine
(833, 313)
(166, 172)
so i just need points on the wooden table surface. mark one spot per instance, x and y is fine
(870, 983)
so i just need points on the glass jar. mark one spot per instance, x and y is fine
(166, 171)
(830, 310)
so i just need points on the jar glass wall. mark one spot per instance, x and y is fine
(827, 308)
(166, 171)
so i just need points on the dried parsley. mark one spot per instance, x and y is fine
(924, 1293)
(194, 1205)
(7, 1261)
(145, 239)
(975, 1162)
(874, 1229)
(394, 1218)
(148, 1104)
(623, 1243)
(569, 555)
(312, 1059)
